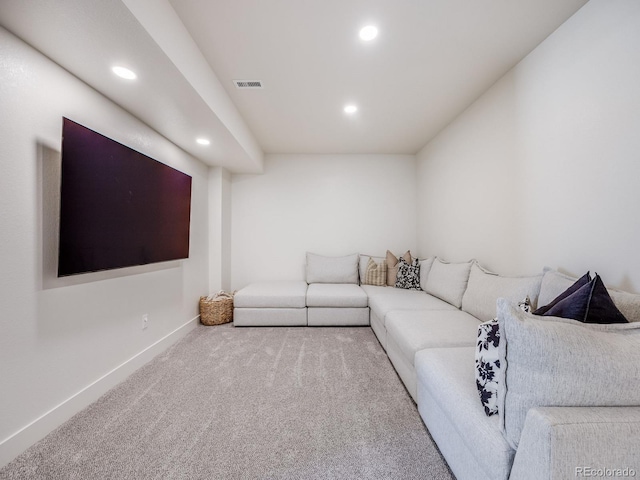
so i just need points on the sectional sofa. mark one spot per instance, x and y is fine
(569, 393)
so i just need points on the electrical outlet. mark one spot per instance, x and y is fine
(145, 321)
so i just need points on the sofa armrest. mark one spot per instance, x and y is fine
(579, 442)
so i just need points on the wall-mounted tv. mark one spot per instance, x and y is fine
(118, 207)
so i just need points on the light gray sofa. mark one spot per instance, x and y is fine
(569, 394)
(430, 338)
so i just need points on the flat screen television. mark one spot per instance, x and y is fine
(118, 207)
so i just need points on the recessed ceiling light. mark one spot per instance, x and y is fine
(124, 73)
(368, 33)
(350, 109)
(203, 141)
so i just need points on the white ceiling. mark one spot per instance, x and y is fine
(431, 59)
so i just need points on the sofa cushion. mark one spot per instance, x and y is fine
(337, 317)
(272, 295)
(445, 374)
(321, 269)
(448, 281)
(425, 268)
(375, 290)
(550, 361)
(591, 303)
(336, 295)
(414, 330)
(376, 273)
(392, 266)
(413, 300)
(484, 289)
(408, 276)
(270, 317)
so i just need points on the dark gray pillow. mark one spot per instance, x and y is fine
(585, 279)
(590, 303)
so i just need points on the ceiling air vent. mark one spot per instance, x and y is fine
(248, 84)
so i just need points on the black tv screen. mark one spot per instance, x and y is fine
(118, 207)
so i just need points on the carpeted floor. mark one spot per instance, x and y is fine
(248, 403)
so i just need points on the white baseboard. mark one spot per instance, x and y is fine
(17, 443)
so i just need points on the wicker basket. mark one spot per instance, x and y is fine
(216, 309)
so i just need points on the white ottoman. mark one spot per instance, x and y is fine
(271, 304)
(333, 304)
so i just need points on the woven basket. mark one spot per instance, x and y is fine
(216, 309)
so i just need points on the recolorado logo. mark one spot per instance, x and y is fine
(590, 472)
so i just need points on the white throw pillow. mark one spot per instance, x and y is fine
(484, 288)
(321, 269)
(448, 281)
(425, 268)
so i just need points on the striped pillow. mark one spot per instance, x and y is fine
(376, 273)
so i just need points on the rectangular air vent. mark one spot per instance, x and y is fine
(248, 83)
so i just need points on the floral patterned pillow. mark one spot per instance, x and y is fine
(488, 362)
(408, 276)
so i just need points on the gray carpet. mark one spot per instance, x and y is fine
(245, 403)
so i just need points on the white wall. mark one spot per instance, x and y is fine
(543, 169)
(58, 337)
(327, 204)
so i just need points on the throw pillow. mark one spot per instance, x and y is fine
(591, 303)
(408, 276)
(376, 273)
(392, 266)
(425, 268)
(554, 282)
(448, 281)
(602, 309)
(488, 361)
(555, 361)
(484, 288)
(585, 279)
(363, 263)
(487, 365)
